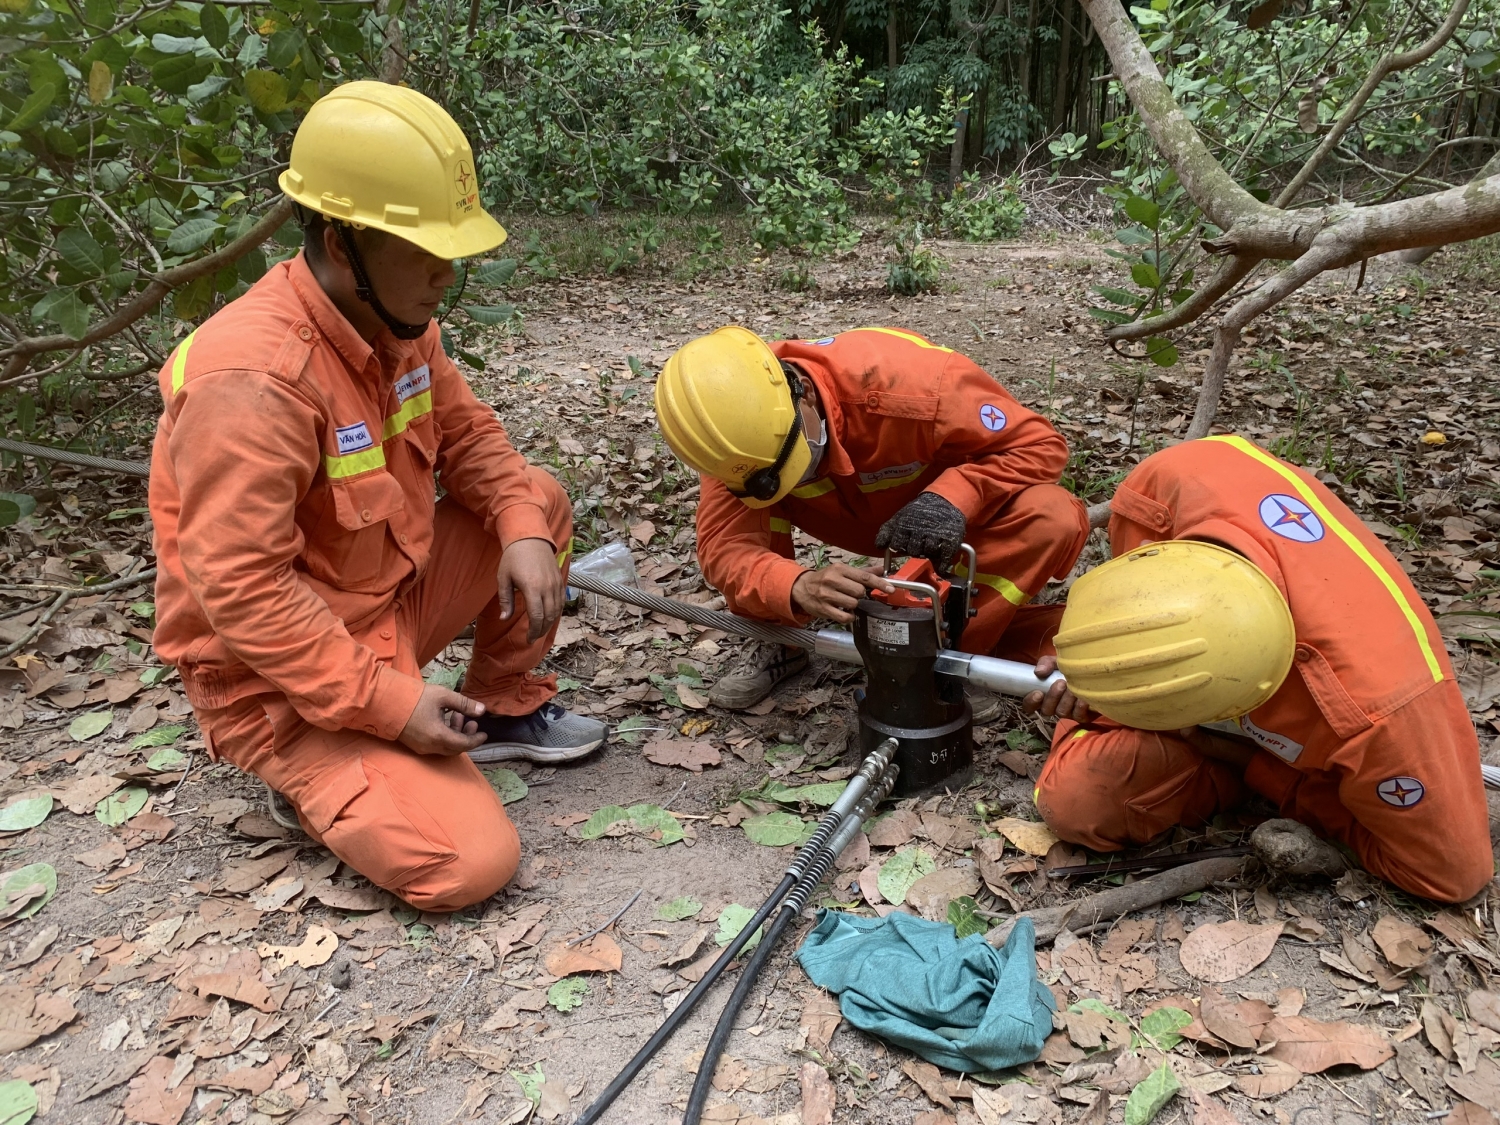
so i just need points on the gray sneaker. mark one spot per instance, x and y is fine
(985, 704)
(280, 810)
(762, 668)
(551, 733)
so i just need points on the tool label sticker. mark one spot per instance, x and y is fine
(889, 632)
(992, 417)
(352, 439)
(413, 383)
(1403, 792)
(1290, 518)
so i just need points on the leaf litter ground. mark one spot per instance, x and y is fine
(172, 954)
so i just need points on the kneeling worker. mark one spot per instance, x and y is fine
(1252, 635)
(307, 573)
(870, 440)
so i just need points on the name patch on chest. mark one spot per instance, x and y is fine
(413, 383)
(352, 439)
(893, 472)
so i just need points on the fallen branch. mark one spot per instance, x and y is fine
(1106, 906)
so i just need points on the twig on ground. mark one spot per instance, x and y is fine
(600, 929)
(438, 1022)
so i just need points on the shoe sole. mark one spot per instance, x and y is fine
(516, 751)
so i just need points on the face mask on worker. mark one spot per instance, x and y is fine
(815, 448)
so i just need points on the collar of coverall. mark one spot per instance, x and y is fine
(1225, 534)
(835, 461)
(336, 329)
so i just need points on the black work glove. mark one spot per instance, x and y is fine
(929, 527)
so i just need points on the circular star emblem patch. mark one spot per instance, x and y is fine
(992, 417)
(1403, 792)
(1290, 518)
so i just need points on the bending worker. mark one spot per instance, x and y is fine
(870, 440)
(1251, 635)
(306, 573)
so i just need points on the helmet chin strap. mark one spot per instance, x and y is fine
(366, 292)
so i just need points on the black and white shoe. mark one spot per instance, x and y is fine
(549, 734)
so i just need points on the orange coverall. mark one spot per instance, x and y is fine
(306, 574)
(1368, 740)
(905, 416)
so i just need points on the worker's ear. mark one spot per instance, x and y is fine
(333, 248)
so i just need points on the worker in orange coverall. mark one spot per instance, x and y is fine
(870, 440)
(1366, 741)
(306, 573)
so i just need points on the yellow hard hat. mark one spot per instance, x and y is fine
(1174, 634)
(387, 157)
(728, 409)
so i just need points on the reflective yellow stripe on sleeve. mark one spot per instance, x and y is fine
(179, 362)
(413, 408)
(1310, 498)
(352, 464)
(565, 554)
(816, 488)
(909, 337)
(780, 526)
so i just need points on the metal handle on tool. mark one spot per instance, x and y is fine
(1005, 677)
(791, 907)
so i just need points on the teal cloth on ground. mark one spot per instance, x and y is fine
(964, 1005)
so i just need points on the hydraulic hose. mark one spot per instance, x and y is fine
(875, 766)
(1007, 677)
(791, 907)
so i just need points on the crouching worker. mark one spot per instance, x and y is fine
(870, 440)
(1251, 635)
(306, 572)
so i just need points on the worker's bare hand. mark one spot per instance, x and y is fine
(529, 567)
(1057, 701)
(443, 723)
(1218, 747)
(833, 591)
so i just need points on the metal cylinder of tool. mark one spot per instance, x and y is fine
(907, 699)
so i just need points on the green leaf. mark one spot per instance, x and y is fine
(1110, 316)
(17, 1102)
(1143, 211)
(898, 873)
(596, 825)
(631, 730)
(1094, 1004)
(1144, 274)
(25, 814)
(33, 108)
(87, 726)
(1162, 1025)
(1161, 351)
(121, 805)
(963, 916)
(27, 504)
(822, 794)
(1024, 740)
(506, 783)
(160, 736)
(342, 38)
(192, 235)
(266, 90)
(490, 315)
(63, 308)
(153, 676)
(167, 758)
(9, 513)
(778, 829)
(283, 47)
(174, 44)
(531, 1084)
(1118, 296)
(1151, 1094)
(734, 918)
(80, 251)
(446, 677)
(568, 993)
(654, 818)
(568, 683)
(23, 877)
(491, 274)
(214, 26)
(678, 909)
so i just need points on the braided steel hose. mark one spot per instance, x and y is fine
(88, 460)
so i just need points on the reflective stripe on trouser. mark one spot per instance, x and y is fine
(1037, 536)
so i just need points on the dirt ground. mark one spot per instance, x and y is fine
(158, 984)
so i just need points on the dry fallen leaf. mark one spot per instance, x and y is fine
(690, 755)
(315, 949)
(1240, 1024)
(1275, 1077)
(153, 1100)
(508, 1015)
(1439, 1026)
(1481, 1086)
(82, 796)
(1402, 944)
(990, 1105)
(1224, 951)
(600, 954)
(817, 1095)
(1484, 1007)
(895, 830)
(1031, 836)
(1467, 1113)
(930, 895)
(1422, 1072)
(820, 1019)
(1207, 1111)
(691, 699)
(1312, 1046)
(929, 1078)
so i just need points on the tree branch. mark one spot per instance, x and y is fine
(1388, 65)
(19, 353)
(1230, 274)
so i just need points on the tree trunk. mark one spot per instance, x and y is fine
(893, 35)
(393, 55)
(1024, 80)
(1064, 60)
(956, 153)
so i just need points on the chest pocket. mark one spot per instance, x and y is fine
(1343, 714)
(918, 408)
(356, 551)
